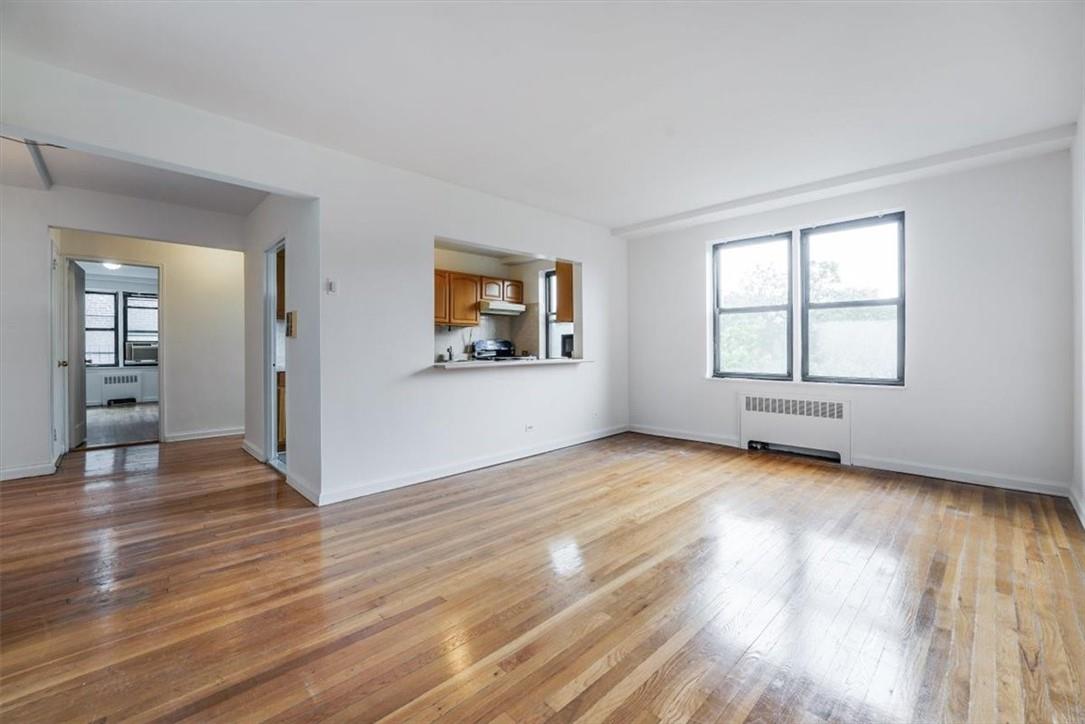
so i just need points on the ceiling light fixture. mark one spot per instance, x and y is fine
(111, 265)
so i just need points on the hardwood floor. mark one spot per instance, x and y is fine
(632, 579)
(122, 425)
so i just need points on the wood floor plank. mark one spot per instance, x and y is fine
(629, 579)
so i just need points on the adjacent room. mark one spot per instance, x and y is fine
(542, 362)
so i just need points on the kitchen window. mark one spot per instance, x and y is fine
(100, 329)
(752, 308)
(853, 301)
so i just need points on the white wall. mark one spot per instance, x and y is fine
(201, 328)
(296, 221)
(385, 419)
(1077, 487)
(988, 356)
(25, 252)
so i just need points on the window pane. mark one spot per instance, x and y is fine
(753, 275)
(149, 302)
(142, 319)
(853, 264)
(754, 342)
(100, 310)
(101, 347)
(143, 336)
(854, 342)
(552, 293)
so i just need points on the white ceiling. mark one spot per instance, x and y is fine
(127, 271)
(77, 169)
(613, 112)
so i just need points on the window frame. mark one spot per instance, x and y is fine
(116, 328)
(898, 301)
(788, 307)
(127, 330)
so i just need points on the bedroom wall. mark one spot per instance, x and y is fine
(25, 255)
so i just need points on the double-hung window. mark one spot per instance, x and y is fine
(752, 279)
(851, 306)
(100, 325)
(140, 317)
(853, 301)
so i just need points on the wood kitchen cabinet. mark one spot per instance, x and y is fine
(463, 297)
(493, 289)
(513, 291)
(440, 297)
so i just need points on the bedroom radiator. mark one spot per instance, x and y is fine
(796, 422)
(120, 387)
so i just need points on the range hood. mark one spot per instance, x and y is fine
(507, 309)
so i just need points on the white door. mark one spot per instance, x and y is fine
(76, 361)
(60, 354)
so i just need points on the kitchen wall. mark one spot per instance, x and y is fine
(987, 397)
(201, 323)
(25, 255)
(387, 418)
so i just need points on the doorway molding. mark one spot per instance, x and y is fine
(58, 318)
(271, 422)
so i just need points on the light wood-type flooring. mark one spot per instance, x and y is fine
(632, 579)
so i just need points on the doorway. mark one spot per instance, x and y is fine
(109, 352)
(276, 332)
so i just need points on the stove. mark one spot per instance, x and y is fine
(497, 350)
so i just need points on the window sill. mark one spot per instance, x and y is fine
(802, 383)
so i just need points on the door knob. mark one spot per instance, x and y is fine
(62, 363)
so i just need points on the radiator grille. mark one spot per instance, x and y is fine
(802, 408)
(120, 379)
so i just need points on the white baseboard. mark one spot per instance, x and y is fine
(27, 471)
(463, 466)
(306, 489)
(202, 434)
(960, 475)
(251, 449)
(1079, 505)
(977, 477)
(728, 440)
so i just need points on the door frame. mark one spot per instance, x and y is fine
(271, 420)
(59, 328)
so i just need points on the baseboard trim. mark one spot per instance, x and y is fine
(1078, 505)
(304, 488)
(962, 475)
(464, 466)
(27, 471)
(728, 440)
(975, 477)
(251, 449)
(203, 434)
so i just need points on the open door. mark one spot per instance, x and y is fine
(76, 359)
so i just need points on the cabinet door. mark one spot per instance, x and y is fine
(464, 296)
(440, 297)
(492, 289)
(564, 273)
(514, 291)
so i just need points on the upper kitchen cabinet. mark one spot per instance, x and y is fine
(512, 291)
(440, 297)
(493, 289)
(463, 296)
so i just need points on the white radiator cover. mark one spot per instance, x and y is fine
(119, 387)
(798, 421)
